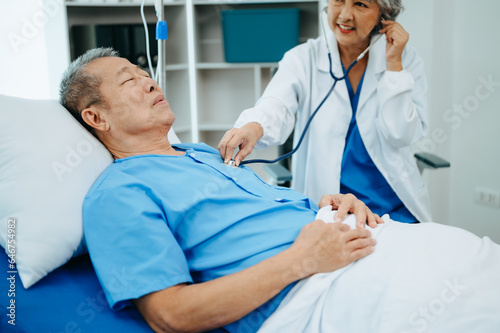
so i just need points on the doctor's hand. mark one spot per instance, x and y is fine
(243, 138)
(345, 203)
(396, 37)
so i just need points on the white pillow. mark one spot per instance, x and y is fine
(48, 162)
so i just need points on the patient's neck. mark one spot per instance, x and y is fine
(134, 146)
(146, 150)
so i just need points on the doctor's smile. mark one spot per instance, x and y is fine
(345, 29)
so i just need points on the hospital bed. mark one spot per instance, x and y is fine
(69, 299)
(47, 163)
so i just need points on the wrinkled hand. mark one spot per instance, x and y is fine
(324, 247)
(345, 203)
(243, 138)
(396, 37)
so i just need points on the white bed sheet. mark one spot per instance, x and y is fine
(421, 278)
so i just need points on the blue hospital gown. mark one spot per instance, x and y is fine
(155, 221)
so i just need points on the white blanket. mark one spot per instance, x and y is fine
(423, 277)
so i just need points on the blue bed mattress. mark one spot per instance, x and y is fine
(68, 300)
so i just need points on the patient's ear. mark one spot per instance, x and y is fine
(93, 116)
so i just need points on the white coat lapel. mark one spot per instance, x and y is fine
(374, 70)
(324, 66)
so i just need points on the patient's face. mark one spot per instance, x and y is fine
(136, 102)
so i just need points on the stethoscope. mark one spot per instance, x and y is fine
(335, 79)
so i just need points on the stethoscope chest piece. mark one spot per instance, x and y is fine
(231, 164)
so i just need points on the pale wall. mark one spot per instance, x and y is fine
(475, 150)
(458, 41)
(34, 50)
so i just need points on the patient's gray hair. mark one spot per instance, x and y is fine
(80, 89)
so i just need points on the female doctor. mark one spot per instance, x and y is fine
(359, 141)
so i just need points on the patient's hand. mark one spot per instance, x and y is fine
(325, 247)
(345, 203)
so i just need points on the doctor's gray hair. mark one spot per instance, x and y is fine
(390, 9)
(79, 89)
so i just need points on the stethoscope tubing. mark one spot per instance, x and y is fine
(335, 79)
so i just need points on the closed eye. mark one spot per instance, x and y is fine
(361, 4)
(128, 80)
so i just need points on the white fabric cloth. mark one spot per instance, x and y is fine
(421, 278)
(391, 116)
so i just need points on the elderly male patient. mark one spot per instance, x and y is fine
(194, 243)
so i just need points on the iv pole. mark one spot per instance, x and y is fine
(161, 36)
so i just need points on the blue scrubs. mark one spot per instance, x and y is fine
(155, 221)
(361, 177)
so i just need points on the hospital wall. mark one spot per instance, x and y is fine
(34, 47)
(456, 38)
(476, 137)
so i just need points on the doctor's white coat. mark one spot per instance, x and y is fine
(391, 116)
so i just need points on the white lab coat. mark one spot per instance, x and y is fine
(391, 116)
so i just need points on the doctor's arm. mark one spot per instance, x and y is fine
(213, 304)
(402, 90)
(272, 119)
